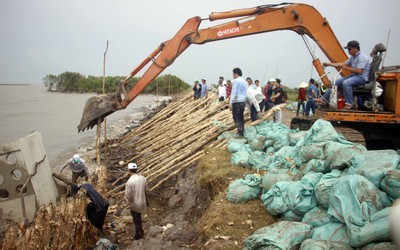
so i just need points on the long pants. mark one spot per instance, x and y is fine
(300, 103)
(278, 116)
(76, 175)
(310, 106)
(268, 105)
(253, 111)
(238, 116)
(346, 83)
(137, 220)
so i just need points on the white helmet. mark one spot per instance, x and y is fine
(76, 158)
(132, 166)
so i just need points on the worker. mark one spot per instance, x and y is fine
(78, 167)
(311, 96)
(221, 89)
(358, 66)
(228, 89)
(204, 87)
(196, 89)
(301, 98)
(238, 100)
(258, 87)
(268, 91)
(277, 98)
(136, 197)
(254, 102)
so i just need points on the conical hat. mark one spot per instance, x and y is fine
(303, 85)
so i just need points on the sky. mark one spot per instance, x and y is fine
(54, 36)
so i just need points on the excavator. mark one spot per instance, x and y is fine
(379, 121)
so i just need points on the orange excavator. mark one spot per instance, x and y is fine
(305, 20)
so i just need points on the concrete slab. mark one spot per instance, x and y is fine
(18, 160)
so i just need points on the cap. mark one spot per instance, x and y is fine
(132, 166)
(303, 85)
(195, 80)
(76, 158)
(272, 80)
(352, 44)
(204, 79)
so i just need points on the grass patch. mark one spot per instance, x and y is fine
(224, 225)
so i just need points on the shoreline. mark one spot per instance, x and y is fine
(86, 146)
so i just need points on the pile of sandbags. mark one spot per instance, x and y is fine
(318, 179)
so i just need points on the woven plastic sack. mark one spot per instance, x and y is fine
(250, 132)
(257, 159)
(339, 154)
(281, 235)
(333, 231)
(291, 216)
(240, 158)
(317, 217)
(380, 246)
(316, 165)
(295, 137)
(243, 190)
(321, 131)
(273, 176)
(390, 183)
(377, 229)
(237, 146)
(374, 164)
(311, 244)
(353, 199)
(323, 188)
(257, 143)
(274, 198)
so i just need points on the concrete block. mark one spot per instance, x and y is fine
(18, 161)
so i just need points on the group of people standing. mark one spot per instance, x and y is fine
(245, 93)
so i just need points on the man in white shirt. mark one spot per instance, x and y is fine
(135, 195)
(221, 89)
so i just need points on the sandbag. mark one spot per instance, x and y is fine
(274, 200)
(390, 183)
(250, 132)
(377, 229)
(243, 190)
(339, 154)
(333, 231)
(294, 137)
(317, 217)
(353, 199)
(291, 216)
(321, 131)
(374, 164)
(316, 165)
(257, 159)
(282, 235)
(273, 176)
(311, 244)
(237, 146)
(323, 188)
(380, 246)
(240, 158)
(257, 143)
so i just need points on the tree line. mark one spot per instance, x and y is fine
(73, 82)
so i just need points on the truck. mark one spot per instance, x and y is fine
(375, 123)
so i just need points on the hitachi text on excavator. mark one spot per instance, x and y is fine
(378, 120)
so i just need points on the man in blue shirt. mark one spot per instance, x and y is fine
(238, 100)
(311, 96)
(204, 88)
(358, 66)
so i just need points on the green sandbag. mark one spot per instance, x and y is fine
(257, 159)
(353, 199)
(317, 217)
(323, 188)
(316, 165)
(282, 235)
(257, 143)
(321, 131)
(236, 146)
(380, 246)
(294, 137)
(291, 216)
(273, 176)
(243, 190)
(250, 132)
(311, 244)
(390, 183)
(377, 229)
(274, 198)
(333, 231)
(373, 164)
(240, 158)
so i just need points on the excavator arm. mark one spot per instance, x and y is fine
(300, 18)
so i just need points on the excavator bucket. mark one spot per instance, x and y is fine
(98, 107)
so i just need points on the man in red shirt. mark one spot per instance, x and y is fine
(228, 89)
(301, 98)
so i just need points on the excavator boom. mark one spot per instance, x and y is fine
(300, 18)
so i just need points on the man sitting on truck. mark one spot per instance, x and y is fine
(358, 66)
